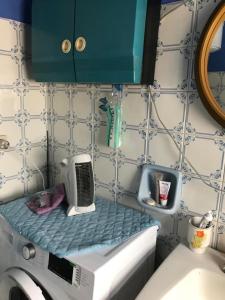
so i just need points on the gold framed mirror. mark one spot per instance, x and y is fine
(212, 40)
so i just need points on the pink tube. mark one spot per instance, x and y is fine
(164, 188)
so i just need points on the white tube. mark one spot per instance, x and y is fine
(164, 187)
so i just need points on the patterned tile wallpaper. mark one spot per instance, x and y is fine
(76, 125)
(23, 110)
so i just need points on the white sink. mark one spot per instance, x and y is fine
(186, 275)
(198, 284)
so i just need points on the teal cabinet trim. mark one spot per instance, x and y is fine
(139, 35)
(151, 41)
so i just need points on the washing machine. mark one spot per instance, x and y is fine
(18, 280)
(29, 273)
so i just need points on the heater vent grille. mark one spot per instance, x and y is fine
(77, 275)
(85, 184)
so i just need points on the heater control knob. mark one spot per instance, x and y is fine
(28, 251)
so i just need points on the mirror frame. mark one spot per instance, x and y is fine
(201, 65)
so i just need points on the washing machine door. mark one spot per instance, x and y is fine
(15, 284)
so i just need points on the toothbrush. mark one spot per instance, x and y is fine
(109, 125)
(117, 126)
(206, 219)
(109, 113)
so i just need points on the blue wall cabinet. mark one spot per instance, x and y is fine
(99, 41)
(53, 24)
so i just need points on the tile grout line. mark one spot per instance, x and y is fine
(149, 112)
(185, 118)
(93, 107)
(219, 206)
(71, 127)
(21, 95)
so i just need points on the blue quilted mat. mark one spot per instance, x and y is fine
(110, 224)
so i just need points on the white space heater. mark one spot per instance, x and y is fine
(79, 184)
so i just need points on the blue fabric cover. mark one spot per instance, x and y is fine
(110, 224)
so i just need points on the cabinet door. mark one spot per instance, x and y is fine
(114, 35)
(52, 23)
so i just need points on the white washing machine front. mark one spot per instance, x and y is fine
(6, 249)
(16, 284)
(22, 279)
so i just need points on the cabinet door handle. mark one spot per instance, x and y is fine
(66, 46)
(80, 44)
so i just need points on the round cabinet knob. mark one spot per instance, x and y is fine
(80, 44)
(28, 251)
(66, 46)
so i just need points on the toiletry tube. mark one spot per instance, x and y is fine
(164, 188)
(198, 238)
(156, 177)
